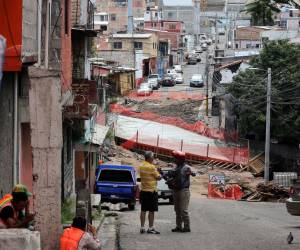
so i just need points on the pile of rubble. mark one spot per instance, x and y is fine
(187, 110)
(265, 192)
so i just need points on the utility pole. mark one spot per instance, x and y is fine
(268, 121)
(206, 78)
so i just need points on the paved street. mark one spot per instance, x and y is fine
(216, 225)
(188, 71)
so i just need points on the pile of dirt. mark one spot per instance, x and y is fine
(187, 110)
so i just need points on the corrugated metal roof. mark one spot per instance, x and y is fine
(178, 3)
(131, 35)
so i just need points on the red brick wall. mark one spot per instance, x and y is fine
(66, 46)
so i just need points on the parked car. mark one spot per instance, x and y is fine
(117, 184)
(155, 80)
(168, 81)
(293, 203)
(198, 56)
(204, 46)
(178, 68)
(145, 89)
(179, 78)
(171, 71)
(192, 60)
(196, 81)
(164, 192)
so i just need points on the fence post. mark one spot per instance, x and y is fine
(207, 150)
(157, 143)
(233, 155)
(181, 145)
(137, 139)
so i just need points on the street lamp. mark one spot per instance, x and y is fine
(268, 123)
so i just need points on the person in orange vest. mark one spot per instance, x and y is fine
(76, 238)
(14, 208)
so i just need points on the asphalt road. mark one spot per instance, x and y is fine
(216, 225)
(188, 71)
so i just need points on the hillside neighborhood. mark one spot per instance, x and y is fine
(186, 109)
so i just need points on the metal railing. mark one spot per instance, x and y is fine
(90, 17)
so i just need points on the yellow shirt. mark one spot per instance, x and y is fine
(149, 175)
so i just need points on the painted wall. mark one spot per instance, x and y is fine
(150, 45)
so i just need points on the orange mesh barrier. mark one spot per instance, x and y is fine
(195, 151)
(229, 192)
(199, 127)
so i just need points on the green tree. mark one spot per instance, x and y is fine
(262, 11)
(249, 87)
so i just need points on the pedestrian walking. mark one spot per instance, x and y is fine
(148, 197)
(179, 181)
(76, 237)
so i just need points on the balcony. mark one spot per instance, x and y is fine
(83, 16)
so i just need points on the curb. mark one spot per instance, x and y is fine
(108, 232)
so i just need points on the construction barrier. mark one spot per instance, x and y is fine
(227, 191)
(198, 127)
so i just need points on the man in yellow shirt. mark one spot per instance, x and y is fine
(148, 196)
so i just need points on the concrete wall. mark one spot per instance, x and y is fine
(46, 142)
(187, 14)
(120, 11)
(15, 239)
(29, 28)
(6, 133)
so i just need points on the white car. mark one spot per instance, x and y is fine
(178, 68)
(145, 89)
(179, 78)
(155, 80)
(197, 81)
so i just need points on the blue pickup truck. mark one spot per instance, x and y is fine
(116, 184)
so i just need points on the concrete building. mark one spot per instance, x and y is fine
(138, 50)
(187, 12)
(118, 12)
(254, 36)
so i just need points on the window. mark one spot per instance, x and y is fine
(138, 45)
(172, 26)
(248, 46)
(257, 45)
(103, 18)
(170, 14)
(117, 45)
(113, 17)
(115, 176)
(67, 17)
(236, 45)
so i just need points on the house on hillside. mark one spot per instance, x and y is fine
(118, 13)
(138, 50)
(186, 11)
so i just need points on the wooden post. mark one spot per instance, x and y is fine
(137, 139)
(233, 158)
(181, 145)
(157, 143)
(207, 150)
